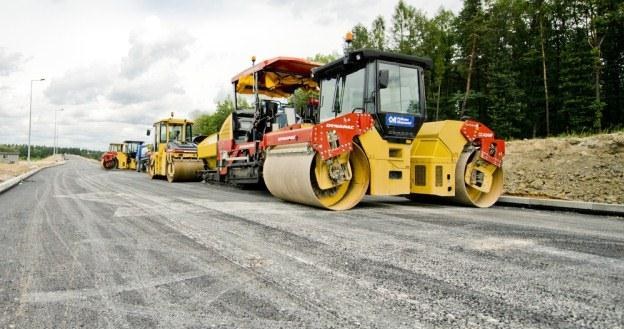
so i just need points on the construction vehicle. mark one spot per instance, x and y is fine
(174, 155)
(121, 155)
(367, 136)
(235, 154)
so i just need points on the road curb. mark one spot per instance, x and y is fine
(552, 204)
(7, 185)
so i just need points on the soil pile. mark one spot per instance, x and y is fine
(567, 168)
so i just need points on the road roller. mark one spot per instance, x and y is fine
(174, 155)
(121, 155)
(371, 137)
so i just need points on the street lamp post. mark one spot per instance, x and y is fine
(55, 134)
(30, 115)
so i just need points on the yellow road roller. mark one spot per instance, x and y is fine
(371, 137)
(175, 154)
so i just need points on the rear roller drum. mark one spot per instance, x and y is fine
(290, 173)
(477, 182)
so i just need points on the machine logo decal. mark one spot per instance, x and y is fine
(400, 120)
(333, 125)
(287, 138)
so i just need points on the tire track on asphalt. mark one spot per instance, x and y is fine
(31, 246)
(129, 189)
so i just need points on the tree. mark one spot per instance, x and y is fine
(438, 44)
(323, 58)
(408, 28)
(206, 124)
(360, 37)
(469, 27)
(378, 33)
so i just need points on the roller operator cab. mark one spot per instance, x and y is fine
(370, 137)
(388, 86)
(174, 155)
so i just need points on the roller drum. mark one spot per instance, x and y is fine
(289, 175)
(468, 195)
(183, 170)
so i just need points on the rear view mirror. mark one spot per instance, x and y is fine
(383, 78)
(148, 132)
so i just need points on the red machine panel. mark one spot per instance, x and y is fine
(330, 138)
(492, 149)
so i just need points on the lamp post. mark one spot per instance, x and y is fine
(30, 115)
(55, 134)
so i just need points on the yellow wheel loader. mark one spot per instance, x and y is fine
(121, 155)
(175, 154)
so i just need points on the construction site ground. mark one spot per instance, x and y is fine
(567, 168)
(83, 247)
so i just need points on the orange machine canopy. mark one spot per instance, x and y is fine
(277, 77)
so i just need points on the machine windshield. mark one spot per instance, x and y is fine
(402, 93)
(345, 96)
(132, 147)
(175, 133)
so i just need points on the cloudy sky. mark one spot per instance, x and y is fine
(115, 67)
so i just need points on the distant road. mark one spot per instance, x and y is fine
(82, 247)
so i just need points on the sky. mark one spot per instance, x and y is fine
(113, 68)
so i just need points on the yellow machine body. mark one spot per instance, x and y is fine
(207, 150)
(174, 156)
(433, 163)
(389, 164)
(434, 156)
(125, 162)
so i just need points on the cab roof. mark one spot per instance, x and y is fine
(277, 77)
(360, 57)
(175, 121)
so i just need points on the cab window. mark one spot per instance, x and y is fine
(353, 92)
(328, 92)
(188, 134)
(163, 133)
(402, 93)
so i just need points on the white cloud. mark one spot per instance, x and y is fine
(152, 43)
(80, 85)
(148, 87)
(9, 61)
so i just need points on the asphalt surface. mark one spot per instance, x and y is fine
(86, 248)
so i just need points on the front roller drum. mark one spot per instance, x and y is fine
(477, 183)
(289, 174)
(183, 170)
(109, 164)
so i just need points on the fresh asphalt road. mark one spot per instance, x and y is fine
(84, 247)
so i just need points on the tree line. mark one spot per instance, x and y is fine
(41, 151)
(527, 68)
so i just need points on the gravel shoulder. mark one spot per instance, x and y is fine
(85, 247)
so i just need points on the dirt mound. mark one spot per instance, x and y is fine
(568, 168)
